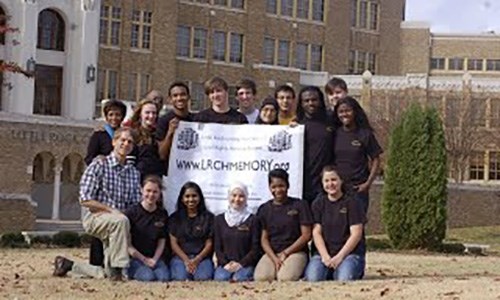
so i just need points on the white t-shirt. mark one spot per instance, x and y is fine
(252, 117)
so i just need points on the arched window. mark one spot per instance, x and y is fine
(50, 30)
(3, 22)
(43, 168)
(73, 168)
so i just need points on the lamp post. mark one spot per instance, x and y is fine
(31, 65)
(90, 73)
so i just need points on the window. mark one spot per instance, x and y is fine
(475, 64)
(238, 4)
(141, 29)
(302, 9)
(352, 62)
(437, 63)
(495, 113)
(452, 111)
(478, 112)
(456, 64)
(373, 20)
(316, 57)
(48, 90)
(476, 166)
(283, 53)
(138, 85)
(110, 24)
(493, 65)
(107, 87)
(494, 164)
(272, 6)
(236, 49)
(354, 13)
(200, 43)
(371, 62)
(219, 46)
(197, 96)
(365, 14)
(269, 46)
(361, 59)
(301, 56)
(183, 41)
(132, 87)
(50, 30)
(317, 10)
(287, 8)
(220, 2)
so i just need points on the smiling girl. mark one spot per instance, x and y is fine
(337, 233)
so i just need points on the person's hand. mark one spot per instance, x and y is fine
(362, 188)
(190, 267)
(335, 261)
(232, 266)
(326, 260)
(100, 158)
(282, 256)
(172, 125)
(150, 262)
(293, 123)
(277, 263)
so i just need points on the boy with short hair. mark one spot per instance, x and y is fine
(285, 95)
(220, 112)
(336, 89)
(246, 89)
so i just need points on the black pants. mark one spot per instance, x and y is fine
(96, 252)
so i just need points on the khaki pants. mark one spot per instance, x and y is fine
(113, 229)
(291, 270)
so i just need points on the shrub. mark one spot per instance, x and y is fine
(68, 239)
(13, 240)
(414, 194)
(41, 240)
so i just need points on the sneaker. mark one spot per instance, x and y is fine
(62, 266)
(115, 274)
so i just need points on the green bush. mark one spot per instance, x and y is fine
(85, 239)
(13, 240)
(41, 240)
(68, 239)
(414, 194)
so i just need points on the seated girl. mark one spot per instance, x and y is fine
(236, 238)
(337, 233)
(191, 236)
(148, 231)
(286, 230)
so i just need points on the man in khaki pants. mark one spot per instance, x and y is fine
(107, 188)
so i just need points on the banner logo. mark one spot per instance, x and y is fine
(188, 139)
(279, 142)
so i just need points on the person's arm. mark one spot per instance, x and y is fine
(320, 243)
(266, 246)
(356, 233)
(219, 249)
(177, 250)
(373, 151)
(165, 145)
(300, 243)
(159, 249)
(96, 207)
(255, 250)
(207, 249)
(132, 251)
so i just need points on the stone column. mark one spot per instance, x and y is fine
(56, 203)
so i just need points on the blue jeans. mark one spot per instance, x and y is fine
(139, 271)
(351, 268)
(204, 271)
(243, 274)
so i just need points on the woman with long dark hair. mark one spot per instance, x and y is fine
(191, 231)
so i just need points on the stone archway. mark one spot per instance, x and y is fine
(72, 170)
(42, 191)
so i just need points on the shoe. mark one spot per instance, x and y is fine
(115, 274)
(62, 266)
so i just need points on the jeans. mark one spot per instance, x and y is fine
(351, 268)
(204, 271)
(139, 271)
(243, 274)
(364, 199)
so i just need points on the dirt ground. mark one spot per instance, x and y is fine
(26, 274)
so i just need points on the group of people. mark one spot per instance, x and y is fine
(121, 191)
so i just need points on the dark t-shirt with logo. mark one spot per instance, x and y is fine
(335, 218)
(146, 228)
(283, 221)
(352, 150)
(211, 116)
(164, 122)
(191, 233)
(238, 243)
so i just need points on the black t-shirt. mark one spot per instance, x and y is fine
(239, 243)
(335, 218)
(318, 153)
(163, 123)
(191, 233)
(146, 228)
(148, 160)
(211, 116)
(100, 143)
(283, 221)
(352, 150)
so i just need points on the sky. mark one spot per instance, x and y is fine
(456, 16)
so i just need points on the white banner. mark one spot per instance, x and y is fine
(215, 155)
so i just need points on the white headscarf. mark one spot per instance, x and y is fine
(237, 217)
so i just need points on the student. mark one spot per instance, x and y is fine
(149, 233)
(100, 144)
(268, 113)
(318, 140)
(178, 94)
(104, 202)
(357, 152)
(220, 112)
(236, 238)
(148, 160)
(336, 89)
(285, 95)
(337, 233)
(286, 230)
(191, 228)
(246, 90)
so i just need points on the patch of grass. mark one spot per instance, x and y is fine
(487, 235)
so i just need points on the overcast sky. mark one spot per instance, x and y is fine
(458, 16)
